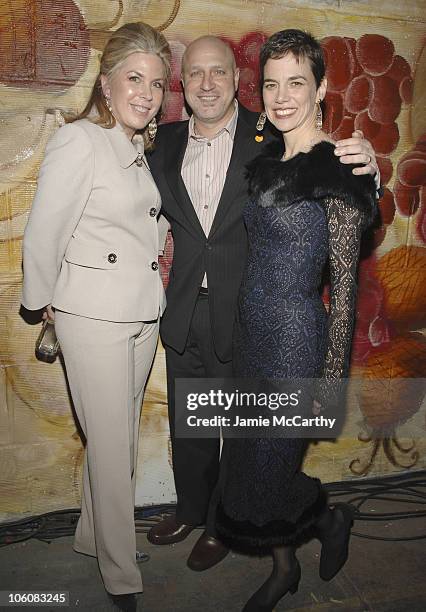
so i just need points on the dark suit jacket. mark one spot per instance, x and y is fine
(223, 254)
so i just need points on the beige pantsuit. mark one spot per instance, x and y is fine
(107, 365)
(90, 249)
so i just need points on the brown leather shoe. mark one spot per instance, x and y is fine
(207, 552)
(169, 531)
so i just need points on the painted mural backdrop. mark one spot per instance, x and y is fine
(377, 82)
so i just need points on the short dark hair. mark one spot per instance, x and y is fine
(300, 44)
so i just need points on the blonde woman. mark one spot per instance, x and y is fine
(90, 261)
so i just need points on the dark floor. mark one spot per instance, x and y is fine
(379, 576)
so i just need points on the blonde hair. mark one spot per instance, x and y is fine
(130, 38)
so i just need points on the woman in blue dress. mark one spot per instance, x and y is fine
(306, 210)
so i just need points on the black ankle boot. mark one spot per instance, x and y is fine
(266, 598)
(335, 540)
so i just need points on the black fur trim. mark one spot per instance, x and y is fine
(314, 175)
(245, 537)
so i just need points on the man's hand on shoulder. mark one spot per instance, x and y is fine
(358, 150)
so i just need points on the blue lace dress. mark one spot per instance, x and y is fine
(303, 213)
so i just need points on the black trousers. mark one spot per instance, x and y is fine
(195, 460)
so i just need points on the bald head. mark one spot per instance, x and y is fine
(208, 43)
(210, 81)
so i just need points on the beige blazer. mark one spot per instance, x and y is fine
(91, 243)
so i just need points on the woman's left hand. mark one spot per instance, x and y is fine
(357, 150)
(49, 313)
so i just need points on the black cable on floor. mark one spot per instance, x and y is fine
(407, 488)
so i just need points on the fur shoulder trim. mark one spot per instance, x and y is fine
(316, 175)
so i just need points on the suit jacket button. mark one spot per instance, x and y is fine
(152, 212)
(112, 258)
(208, 246)
(154, 265)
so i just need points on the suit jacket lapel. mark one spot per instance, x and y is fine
(242, 152)
(173, 166)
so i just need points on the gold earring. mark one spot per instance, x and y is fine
(108, 103)
(261, 122)
(318, 118)
(259, 126)
(152, 129)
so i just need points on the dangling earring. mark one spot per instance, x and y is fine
(108, 103)
(261, 122)
(318, 118)
(260, 125)
(152, 129)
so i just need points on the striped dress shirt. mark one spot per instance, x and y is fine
(204, 169)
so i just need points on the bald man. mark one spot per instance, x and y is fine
(199, 167)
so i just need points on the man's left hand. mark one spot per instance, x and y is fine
(316, 408)
(357, 150)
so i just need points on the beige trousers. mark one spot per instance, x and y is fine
(107, 366)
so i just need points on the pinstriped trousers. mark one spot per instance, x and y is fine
(107, 365)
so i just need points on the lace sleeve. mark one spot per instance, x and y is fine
(345, 226)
